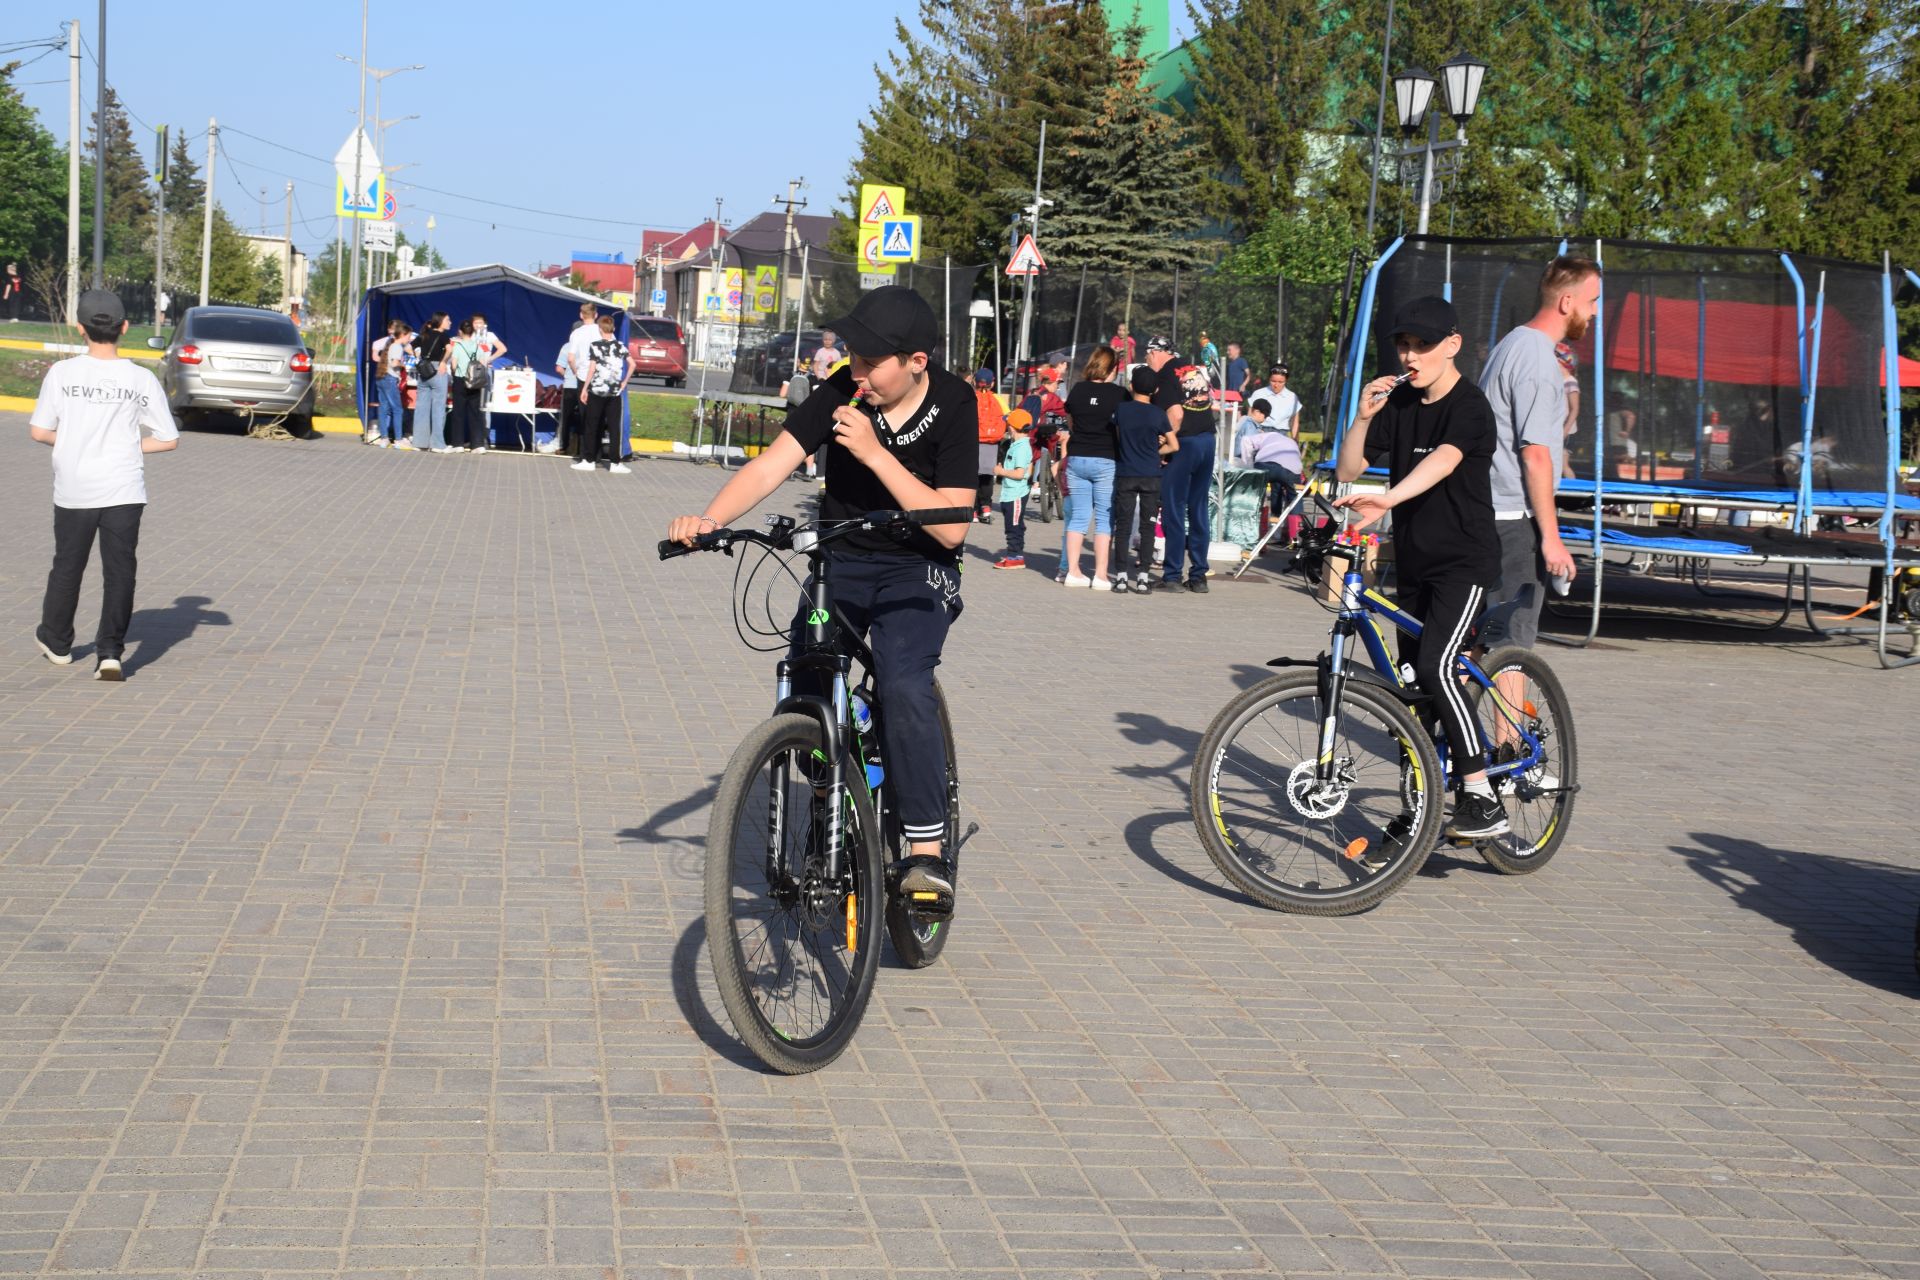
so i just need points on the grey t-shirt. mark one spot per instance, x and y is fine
(1524, 382)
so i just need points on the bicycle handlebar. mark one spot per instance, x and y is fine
(723, 539)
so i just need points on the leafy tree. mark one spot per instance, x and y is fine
(32, 199)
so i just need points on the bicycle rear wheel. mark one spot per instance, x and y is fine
(1539, 800)
(794, 954)
(1293, 843)
(917, 940)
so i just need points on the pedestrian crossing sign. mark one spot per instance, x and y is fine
(900, 238)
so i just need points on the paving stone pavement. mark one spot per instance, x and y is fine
(358, 934)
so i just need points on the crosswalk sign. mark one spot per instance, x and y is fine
(900, 239)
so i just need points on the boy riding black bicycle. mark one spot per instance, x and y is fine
(900, 433)
(1435, 432)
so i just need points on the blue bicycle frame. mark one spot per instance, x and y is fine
(1360, 613)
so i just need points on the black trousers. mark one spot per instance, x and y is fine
(466, 424)
(1130, 494)
(570, 413)
(903, 605)
(1447, 610)
(601, 418)
(73, 534)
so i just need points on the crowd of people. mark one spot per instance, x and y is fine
(1133, 448)
(432, 387)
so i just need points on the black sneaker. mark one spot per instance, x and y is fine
(925, 884)
(108, 669)
(1476, 817)
(1393, 841)
(1198, 586)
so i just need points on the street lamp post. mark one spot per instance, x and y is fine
(1460, 80)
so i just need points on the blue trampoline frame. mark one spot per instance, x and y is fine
(1803, 503)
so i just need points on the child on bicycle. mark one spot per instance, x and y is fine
(901, 434)
(1434, 430)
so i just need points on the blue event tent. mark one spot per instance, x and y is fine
(532, 316)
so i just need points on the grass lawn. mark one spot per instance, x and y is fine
(28, 331)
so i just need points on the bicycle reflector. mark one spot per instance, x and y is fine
(853, 923)
(1355, 849)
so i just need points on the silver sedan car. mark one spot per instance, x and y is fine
(237, 359)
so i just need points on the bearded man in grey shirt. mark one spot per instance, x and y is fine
(1525, 384)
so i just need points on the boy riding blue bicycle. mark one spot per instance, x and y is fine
(1434, 430)
(900, 433)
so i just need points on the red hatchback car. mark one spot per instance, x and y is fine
(658, 349)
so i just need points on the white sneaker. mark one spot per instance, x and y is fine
(369, 437)
(381, 443)
(404, 444)
(444, 449)
(57, 659)
(620, 469)
(1101, 584)
(479, 448)
(551, 446)
(582, 465)
(1075, 580)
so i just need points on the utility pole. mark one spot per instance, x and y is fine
(286, 276)
(1026, 313)
(100, 157)
(160, 225)
(786, 241)
(1379, 124)
(706, 347)
(786, 254)
(73, 171)
(206, 226)
(359, 145)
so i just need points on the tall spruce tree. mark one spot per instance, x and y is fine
(129, 211)
(1125, 190)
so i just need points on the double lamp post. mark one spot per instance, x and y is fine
(1460, 79)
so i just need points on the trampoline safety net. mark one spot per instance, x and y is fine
(1702, 358)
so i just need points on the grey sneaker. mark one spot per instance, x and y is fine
(925, 884)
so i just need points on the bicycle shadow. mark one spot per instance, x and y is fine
(158, 630)
(1144, 833)
(684, 975)
(1854, 916)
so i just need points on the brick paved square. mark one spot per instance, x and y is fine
(358, 934)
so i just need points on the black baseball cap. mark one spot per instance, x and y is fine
(1159, 342)
(1143, 380)
(1428, 319)
(100, 309)
(887, 320)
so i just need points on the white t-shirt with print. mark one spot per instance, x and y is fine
(97, 410)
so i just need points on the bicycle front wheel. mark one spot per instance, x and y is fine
(794, 952)
(1288, 838)
(1538, 799)
(917, 940)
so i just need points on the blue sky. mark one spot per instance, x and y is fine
(635, 113)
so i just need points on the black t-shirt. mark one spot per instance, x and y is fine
(433, 345)
(1170, 393)
(939, 446)
(1137, 429)
(1090, 405)
(1446, 533)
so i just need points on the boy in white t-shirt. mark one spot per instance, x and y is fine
(101, 414)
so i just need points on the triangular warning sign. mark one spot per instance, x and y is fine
(1026, 259)
(882, 207)
(898, 241)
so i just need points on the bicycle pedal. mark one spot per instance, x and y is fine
(925, 903)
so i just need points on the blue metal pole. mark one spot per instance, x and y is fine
(1890, 342)
(1700, 385)
(1361, 332)
(1800, 337)
(1804, 499)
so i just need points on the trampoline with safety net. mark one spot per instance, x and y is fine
(1733, 407)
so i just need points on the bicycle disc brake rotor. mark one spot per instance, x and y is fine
(1312, 798)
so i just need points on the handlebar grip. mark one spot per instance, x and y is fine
(702, 542)
(672, 550)
(938, 515)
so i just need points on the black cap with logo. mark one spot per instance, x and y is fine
(1427, 319)
(100, 309)
(886, 321)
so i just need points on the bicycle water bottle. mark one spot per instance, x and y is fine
(869, 742)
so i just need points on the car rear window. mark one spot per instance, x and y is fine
(657, 330)
(270, 330)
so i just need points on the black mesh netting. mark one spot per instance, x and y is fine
(1702, 365)
(1076, 309)
(787, 295)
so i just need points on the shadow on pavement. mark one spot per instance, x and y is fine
(1143, 834)
(158, 630)
(713, 1033)
(1853, 916)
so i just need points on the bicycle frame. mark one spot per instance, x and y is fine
(1361, 610)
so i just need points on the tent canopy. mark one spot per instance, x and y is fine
(531, 316)
(1749, 344)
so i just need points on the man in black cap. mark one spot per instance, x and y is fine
(909, 443)
(1185, 393)
(102, 414)
(1435, 433)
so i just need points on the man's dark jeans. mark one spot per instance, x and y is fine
(73, 533)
